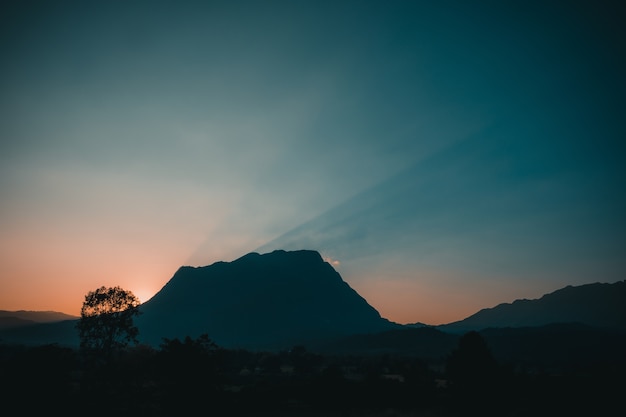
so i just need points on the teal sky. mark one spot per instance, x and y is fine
(446, 156)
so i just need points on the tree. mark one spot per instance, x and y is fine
(473, 375)
(190, 372)
(471, 363)
(106, 320)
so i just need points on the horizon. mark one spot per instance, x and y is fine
(443, 158)
(330, 262)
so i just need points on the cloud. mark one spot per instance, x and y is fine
(334, 262)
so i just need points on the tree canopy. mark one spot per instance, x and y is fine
(106, 320)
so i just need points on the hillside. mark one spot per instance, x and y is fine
(598, 304)
(11, 319)
(271, 300)
(283, 298)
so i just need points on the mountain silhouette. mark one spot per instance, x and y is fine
(282, 298)
(30, 327)
(259, 301)
(598, 304)
(14, 319)
(9, 319)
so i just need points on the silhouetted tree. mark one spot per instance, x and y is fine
(190, 374)
(472, 372)
(106, 320)
(471, 362)
(303, 362)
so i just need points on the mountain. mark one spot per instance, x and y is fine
(282, 298)
(598, 304)
(10, 319)
(37, 328)
(259, 301)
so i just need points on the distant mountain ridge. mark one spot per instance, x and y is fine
(598, 304)
(258, 301)
(9, 319)
(282, 298)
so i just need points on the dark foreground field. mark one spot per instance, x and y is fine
(195, 377)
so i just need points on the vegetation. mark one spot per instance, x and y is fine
(106, 321)
(196, 376)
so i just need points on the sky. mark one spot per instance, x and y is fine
(443, 156)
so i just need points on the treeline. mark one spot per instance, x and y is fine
(197, 377)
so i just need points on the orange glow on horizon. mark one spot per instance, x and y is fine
(66, 269)
(143, 294)
(407, 302)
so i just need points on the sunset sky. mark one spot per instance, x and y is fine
(444, 156)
